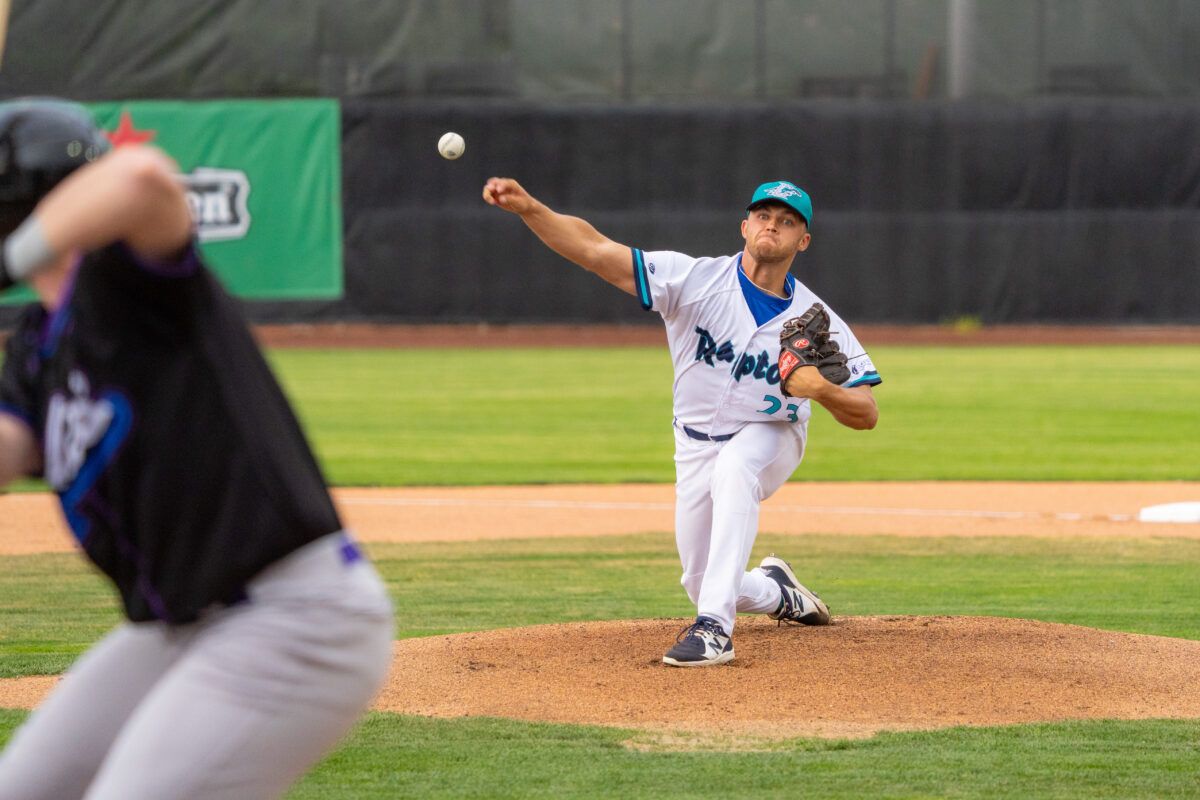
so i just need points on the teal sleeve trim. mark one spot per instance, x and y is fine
(869, 379)
(640, 281)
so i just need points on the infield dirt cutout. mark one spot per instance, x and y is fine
(853, 678)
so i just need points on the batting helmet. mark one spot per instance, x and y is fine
(42, 141)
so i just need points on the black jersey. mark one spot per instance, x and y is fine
(181, 468)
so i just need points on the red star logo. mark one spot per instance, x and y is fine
(125, 133)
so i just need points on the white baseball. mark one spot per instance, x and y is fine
(451, 145)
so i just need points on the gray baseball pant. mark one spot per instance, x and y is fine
(237, 705)
(719, 488)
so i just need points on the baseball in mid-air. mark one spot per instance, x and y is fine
(451, 145)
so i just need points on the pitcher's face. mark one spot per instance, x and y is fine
(774, 232)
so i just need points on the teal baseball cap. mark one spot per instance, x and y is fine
(787, 193)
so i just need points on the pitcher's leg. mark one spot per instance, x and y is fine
(749, 468)
(57, 752)
(735, 523)
(693, 510)
(759, 594)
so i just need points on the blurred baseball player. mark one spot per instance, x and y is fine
(257, 632)
(739, 432)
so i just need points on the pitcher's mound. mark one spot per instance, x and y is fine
(853, 678)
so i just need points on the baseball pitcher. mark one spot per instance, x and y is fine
(752, 348)
(256, 631)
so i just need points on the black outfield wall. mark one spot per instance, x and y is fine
(1049, 211)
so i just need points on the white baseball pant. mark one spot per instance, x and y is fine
(237, 705)
(719, 487)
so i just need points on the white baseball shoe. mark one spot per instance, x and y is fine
(701, 644)
(798, 604)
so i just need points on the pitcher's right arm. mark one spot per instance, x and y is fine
(573, 238)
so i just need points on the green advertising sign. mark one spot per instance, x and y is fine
(263, 178)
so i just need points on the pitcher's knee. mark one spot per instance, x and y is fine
(736, 475)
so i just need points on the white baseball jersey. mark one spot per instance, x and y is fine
(726, 363)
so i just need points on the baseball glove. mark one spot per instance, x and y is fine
(805, 342)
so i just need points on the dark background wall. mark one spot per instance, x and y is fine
(1035, 210)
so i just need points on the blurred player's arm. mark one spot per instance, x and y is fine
(572, 238)
(19, 453)
(129, 195)
(854, 407)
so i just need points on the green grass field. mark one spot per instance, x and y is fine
(1014, 413)
(394, 418)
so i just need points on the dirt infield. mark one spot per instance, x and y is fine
(858, 676)
(32, 523)
(853, 678)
